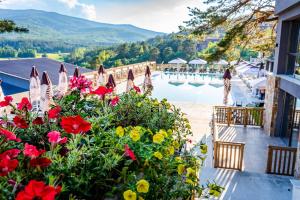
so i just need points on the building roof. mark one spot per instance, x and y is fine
(22, 67)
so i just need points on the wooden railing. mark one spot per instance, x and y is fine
(239, 116)
(229, 155)
(296, 119)
(281, 160)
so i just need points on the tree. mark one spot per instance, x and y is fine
(10, 26)
(154, 53)
(27, 53)
(246, 23)
(167, 53)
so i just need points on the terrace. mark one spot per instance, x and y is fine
(212, 124)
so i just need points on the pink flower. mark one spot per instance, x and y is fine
(129, 152)
(115, 101)
(81, 83)
(54, 138)
(24, 104)
(31, 151)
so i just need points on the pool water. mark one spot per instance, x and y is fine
(9, 89)
(191, 88)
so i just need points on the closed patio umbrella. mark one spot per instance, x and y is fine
(62, 81)
(227, 85)
(76, 72)
(34, 89)
(101, 78)
(130, 80)
(111, 82)
(147, 81)
(46, 92)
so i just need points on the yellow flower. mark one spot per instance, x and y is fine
(190, 172)
(176, 144)
(120, 131)
(170, 132)
(158, 155)
(142, 186)
(180, 169)
(135, 134)
(171, 150)
(158, 138)
(178, 159)
(141, 198)
(189, 181)
(139, 104)
(129, 195)
(163, 132)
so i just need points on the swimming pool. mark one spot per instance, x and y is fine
(191, 88)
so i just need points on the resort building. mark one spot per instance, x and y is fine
(283, 88)
(15, 73)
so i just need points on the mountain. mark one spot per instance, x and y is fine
(51, 26)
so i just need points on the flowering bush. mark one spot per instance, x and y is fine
(98, 145)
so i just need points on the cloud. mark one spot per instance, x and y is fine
(88, 10)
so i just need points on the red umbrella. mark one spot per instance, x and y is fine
(227, 85)
(101, 78)
(147, 81)
(62, 80)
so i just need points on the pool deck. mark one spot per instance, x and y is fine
(252, 183)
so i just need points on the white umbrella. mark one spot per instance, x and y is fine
(34, 89)
(46, 92)
(101, 78)
(62, 81)
(222, 62)
(198, 62)
(147, 81)
(177, 61)
(130, 80)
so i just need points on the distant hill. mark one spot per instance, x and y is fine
(51, 26)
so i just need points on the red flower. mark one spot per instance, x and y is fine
(20, 122)
(75, 124)
(54, 112)
(137, 89)
(102, 91)
(40, 162)
(9, 135)
(38, 121)
(115, 101)
(129, 152)
(12, 153)
(54, 138)
(31, 151)
(38, 190)
(6, 102)
(24, 104)
(7, 164)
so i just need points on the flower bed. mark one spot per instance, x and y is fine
(96, 145)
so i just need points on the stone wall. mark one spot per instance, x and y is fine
(271, 102)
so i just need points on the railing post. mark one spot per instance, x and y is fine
(216, 154)
(261, 118)
(245, 117)
(270, 160)
(229, 116)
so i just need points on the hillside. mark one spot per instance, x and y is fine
(51, 26)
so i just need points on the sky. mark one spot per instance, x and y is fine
(158, 15)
